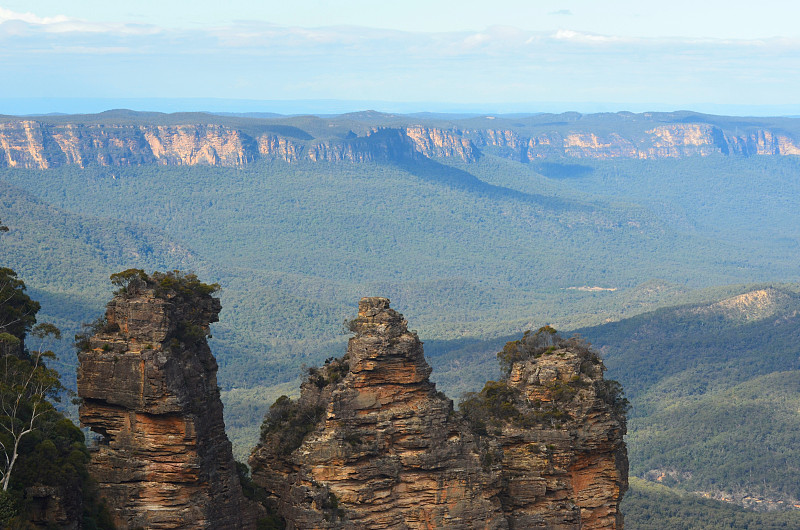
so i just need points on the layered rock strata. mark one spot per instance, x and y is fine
(148, 385)
(371, 444)
(33, 144)
(557, 429)
(386, 449)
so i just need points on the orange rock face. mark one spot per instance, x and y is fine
(32, 144)
(388, 450)
(568, 424)
(371, 444)
(148, 384)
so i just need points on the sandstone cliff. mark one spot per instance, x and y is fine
(41, 144)
(148, 383)
(370, 443)
(556, 429)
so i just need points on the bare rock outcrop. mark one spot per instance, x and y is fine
(385, 449)
(128, 140)
(148, 383)
(555, 427)
(370, 443)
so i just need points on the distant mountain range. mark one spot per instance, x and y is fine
(127, 138)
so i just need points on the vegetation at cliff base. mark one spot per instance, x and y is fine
(45, 456)
(474, 252)
(288, 422)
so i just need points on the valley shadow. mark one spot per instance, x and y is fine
(432, 171)
(558, 171)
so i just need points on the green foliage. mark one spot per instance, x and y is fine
(649, 506)
(17, 310)
(332, 371)
(532, 346)
(250, 489)
(41, 447)
(713, 394)
(101, 325)
(294, 249)
(611, 392)
(491, 407)
(27, 386)
(254, 492)
(169, 284)
(189, 332)
(8, 508)
(129, 280)
(184, 285)
(287, 424)
(329, 504)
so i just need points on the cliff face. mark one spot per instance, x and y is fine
(371, 444)
(148, 383)
(33, 145)
(559, 434)
(387, 450)
(28, 143)
(664, 141)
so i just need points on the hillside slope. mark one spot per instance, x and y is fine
(714, 393)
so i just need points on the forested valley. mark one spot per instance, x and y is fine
(690, 297)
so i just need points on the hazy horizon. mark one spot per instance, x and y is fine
(507, 56)
(49, 106)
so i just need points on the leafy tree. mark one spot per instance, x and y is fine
(129, 280)
(17, 310)
(25, 386)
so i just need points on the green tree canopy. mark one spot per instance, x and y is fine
(17, 310)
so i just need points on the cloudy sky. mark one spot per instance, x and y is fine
(502, 55)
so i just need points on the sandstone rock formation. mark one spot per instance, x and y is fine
(41, 144)
(370, 443)
(148, 383)
(557, 429)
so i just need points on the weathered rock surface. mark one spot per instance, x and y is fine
(563, 460)
(148, 383)
(41, 144)
(370, 443)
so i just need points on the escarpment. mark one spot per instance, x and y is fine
(148, 385)
(370, 443)
(42, 144)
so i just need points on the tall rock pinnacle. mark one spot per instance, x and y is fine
(386, 449)
(148, 383)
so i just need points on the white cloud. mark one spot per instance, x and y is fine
(588, 38)
(7, 15)
(66, 25)
(251, 59)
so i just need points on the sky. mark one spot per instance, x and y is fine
(339, 55)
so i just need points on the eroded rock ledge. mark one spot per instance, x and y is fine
(148, 383)
(370, 443)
